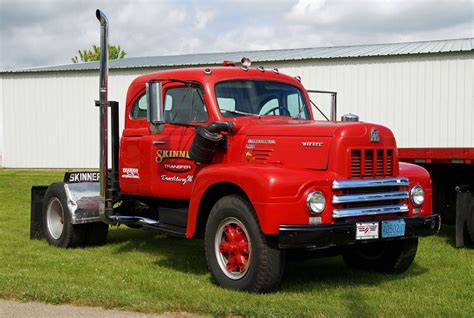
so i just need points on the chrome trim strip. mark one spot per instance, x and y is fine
(350, 184)
(367, 197)
(375, 210)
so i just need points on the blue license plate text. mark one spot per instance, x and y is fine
(393, 228)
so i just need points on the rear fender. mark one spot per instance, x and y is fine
(82, 192)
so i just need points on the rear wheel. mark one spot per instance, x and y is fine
(239, 255)
(58, 226)
(386, 257)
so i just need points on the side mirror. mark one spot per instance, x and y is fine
(154, 100)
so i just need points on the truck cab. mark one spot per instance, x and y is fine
(311, 184)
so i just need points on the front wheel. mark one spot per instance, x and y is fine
(386, 257)
(239, 255)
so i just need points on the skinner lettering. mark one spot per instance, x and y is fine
(166, 154)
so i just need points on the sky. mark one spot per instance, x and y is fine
(49, 32)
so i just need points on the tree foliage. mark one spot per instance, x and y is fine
(115, 52)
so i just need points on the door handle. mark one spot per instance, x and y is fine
(158, 142)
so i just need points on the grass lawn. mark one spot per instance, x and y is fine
(145, 271)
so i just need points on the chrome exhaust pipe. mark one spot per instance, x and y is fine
(106, 210)
(105, 201)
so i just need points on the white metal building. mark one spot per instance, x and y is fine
(423, 91)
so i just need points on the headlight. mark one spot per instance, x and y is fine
(316, 202)
(417, 195)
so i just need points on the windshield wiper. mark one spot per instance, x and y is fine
(237, 112)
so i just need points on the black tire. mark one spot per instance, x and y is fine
(71, 235)
(265, 260)
(393, 257)
(470, 220)
(96, 234)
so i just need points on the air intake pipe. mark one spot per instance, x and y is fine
(105, 200)
(208, 140)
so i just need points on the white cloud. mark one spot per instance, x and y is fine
(45, 32)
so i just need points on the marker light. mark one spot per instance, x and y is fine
(245, 62)
(250, 156)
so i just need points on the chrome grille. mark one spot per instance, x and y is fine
(371, 163)
(370, 197)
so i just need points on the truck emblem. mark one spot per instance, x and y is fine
(311, 144)
(374, 135)
(261, 141)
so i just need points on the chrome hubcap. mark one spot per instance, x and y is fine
(55, 218)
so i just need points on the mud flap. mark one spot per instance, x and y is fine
(36, 217)
(464, 218)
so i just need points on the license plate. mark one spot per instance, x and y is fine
(367, 231)
(393, 228)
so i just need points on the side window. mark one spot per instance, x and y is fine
(139, 108)
(295, 105)
(185, 105)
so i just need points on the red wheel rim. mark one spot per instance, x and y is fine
(233, 248)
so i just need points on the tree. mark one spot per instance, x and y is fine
(115, 52)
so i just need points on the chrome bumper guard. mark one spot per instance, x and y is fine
(370, 197)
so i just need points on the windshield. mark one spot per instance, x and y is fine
(250, 98)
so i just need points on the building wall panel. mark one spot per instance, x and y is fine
(49, 119)
(427, 101)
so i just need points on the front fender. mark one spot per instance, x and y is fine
(418, 175)
(276, 193)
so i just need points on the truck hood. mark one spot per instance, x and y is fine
(292, 127)
(307, 144)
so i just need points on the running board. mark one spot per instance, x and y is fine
(171, 230)
(150, 223)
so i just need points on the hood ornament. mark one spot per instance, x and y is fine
(374, 135)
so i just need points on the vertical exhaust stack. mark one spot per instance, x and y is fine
(105, 204)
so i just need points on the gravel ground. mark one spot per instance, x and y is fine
(13, 309)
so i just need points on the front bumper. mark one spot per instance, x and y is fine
(340, 234)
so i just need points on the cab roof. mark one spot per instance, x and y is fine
(217, 74)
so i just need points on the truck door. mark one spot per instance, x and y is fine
(133, 176)
(172, 171)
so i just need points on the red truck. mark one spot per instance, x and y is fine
(234, 154)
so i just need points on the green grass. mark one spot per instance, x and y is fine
(144, 271)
